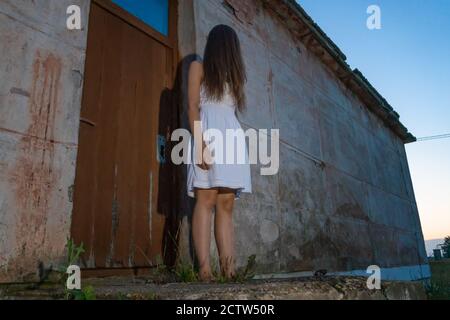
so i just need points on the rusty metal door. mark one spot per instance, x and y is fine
(128, 66)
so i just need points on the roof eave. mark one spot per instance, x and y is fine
(312, 34)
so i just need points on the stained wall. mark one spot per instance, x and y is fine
(41, 76)
(343, 198)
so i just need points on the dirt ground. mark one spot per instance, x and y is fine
(326, 288)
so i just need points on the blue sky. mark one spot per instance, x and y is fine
(408, 62)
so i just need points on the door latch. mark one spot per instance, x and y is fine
(161, 149)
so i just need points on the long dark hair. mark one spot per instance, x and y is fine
(223, 64)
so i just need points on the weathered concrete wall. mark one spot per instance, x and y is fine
(41, 74)
(343, 198)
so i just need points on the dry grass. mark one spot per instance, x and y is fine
(439, 288)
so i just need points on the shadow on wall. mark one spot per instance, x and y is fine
(173, 201)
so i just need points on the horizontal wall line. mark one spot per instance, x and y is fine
(68, 144)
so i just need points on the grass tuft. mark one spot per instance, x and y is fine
(439, 286)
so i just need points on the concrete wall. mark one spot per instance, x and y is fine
(343, 198)
(41, 75)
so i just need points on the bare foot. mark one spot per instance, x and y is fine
(206, 276)
(230, 275)
(227, 268)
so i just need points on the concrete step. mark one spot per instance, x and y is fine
(326, 288)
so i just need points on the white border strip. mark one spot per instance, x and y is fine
(406, 273)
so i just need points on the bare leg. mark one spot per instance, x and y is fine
(201, 229)
(224, 231)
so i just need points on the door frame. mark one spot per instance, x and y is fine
(171, 42)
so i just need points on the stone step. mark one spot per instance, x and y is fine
(326, 288)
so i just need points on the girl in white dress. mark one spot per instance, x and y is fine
(216, 93)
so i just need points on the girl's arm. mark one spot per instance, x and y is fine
(194, 83)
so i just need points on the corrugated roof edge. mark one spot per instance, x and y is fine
(378, 105)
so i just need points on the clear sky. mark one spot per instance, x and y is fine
(408, 62)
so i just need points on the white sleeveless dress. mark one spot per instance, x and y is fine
(234, 174)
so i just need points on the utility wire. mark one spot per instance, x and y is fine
(441, 136)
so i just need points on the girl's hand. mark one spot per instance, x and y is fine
(206, 158)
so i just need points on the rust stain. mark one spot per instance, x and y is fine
(34, 176)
